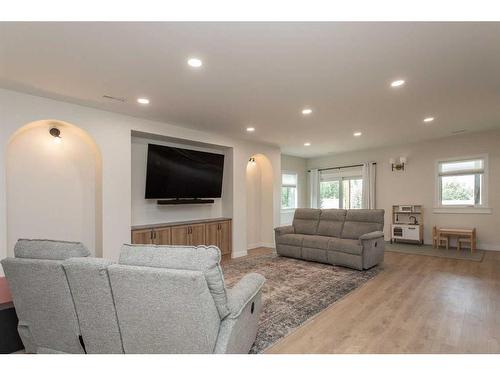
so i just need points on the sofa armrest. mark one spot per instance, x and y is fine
(289, 229)
(372, 235)
(243, 292)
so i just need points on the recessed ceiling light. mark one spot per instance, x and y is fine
(428, 119)
(307, 111)
(357, 134)
(307, 144)
(250, 129)
(195, 62)
(398, 83)
(143, 101)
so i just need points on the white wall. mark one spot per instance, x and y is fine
(416, 185)
(56, 184)
(259, 181)
(254, 211)
(147, 211)
(112, 134)
(299, 166)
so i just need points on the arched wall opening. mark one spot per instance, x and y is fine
(260, 202)
(54, 186)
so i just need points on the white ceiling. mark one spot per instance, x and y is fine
(263, 74)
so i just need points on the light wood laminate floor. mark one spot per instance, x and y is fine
(417, 304)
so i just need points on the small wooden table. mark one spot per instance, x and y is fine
(460, 233)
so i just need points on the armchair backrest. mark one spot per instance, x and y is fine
(41, 295)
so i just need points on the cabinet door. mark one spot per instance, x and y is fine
(225, 237)
(142, 237)
(179, 235)
(162, 236)
(197, 234)
(212, 234)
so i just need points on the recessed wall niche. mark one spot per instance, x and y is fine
(54, 185)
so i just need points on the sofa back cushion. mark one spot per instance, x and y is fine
(331, 222)
(49, 249)
(359, 222)
(91, 290)
(194, 258)
(44, 306)
(163, 310)
(305, 220)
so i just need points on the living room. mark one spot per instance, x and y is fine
(249, 187)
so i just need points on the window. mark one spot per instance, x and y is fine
(341, 191)
(288, 191)
(461, 183)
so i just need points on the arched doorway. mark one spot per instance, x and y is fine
(259, 186)
(54, 185)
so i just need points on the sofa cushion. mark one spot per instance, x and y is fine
(346, 246)
(49, 249)
(331, 222)
(305, 220)
(194, 258)
(359, 222)
(316, 242)
(291, 239)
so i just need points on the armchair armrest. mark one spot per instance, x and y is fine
(289, 229)
(371, 235)
(243, 292)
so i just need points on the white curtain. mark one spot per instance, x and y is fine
(369, 184)
(314, 188)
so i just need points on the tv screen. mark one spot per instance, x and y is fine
(180, 173)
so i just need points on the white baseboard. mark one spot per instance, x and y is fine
(260, 244)
(480, 246)
(487, 246)
(239, 254)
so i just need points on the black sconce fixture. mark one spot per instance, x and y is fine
(252, 160)
(56, 133)
(398, 165)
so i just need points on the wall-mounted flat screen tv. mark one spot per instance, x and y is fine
(179, 173)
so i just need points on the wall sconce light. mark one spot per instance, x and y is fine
(400, 165)
(56, 133)
(252, 161)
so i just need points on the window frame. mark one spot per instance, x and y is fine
(340, 176)
(462, 208)
(296, 186)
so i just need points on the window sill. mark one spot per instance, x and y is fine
(288, 209)
(462, 210)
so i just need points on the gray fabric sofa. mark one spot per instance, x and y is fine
(351, 238)
(156, 299)
(48, 322)
(164, 299)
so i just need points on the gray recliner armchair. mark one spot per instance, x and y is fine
(167, 299)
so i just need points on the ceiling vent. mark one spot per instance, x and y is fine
(115, 98)
(459, 131)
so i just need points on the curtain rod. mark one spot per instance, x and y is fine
(346, 166)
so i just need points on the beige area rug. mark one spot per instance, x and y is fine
(428, 250)
(295, 290)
